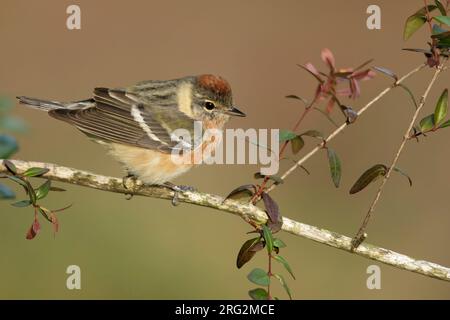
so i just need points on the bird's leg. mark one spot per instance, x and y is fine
(177, 190)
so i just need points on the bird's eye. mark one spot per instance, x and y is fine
(209, 105)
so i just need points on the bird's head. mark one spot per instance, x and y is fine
(212, 98)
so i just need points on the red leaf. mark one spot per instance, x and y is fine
(363, 75)
(34, 229)
(328, 58)
(355, 89)
(311, 68)
(271, 208)
(330, 105)
(55, 222)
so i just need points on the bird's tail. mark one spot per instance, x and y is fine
(39, 104)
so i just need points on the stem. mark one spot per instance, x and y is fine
(343, 126)
(428, 16)
(262, 187)
(361, 232)
(269, 273)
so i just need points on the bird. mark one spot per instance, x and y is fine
(137, 123)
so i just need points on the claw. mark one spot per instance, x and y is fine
(177, 190)
(129, 182)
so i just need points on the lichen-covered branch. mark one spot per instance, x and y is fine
(244, 210)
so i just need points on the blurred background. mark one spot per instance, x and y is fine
(146, 248)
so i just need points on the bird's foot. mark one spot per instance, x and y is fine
(177, 189)
(130, 182)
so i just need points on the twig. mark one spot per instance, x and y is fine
(262, 187)
(360, 235)
(343, 126)
(249, 211)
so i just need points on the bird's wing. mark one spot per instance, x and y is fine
(123, 116)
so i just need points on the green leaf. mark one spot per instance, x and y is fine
(369, 176)
(297, 144)
(57, 189)
(443, 19)
(413, 23)
(35, 172)
(417, 20)
(445, 124)
(43, 190)
(403, 174)
(8, 146)
(293, 96)
(268, 238)
(10, 166)
(278, 243)
(259, 277)
(21, 204)
(437, 30)
(427, 123)
(423, 11)
(247, 190)
(286, 135)
(258, 294)
(5, 104)
(6, 193)
(19, 181)
(387, 72)
(440, 7)
(335, 167)
(284, 263)
(441, 108)
(44, 214)
(314, 134)
(441, 36)
(401, 85)
(284, 284)
(246, 253)
(13, 124)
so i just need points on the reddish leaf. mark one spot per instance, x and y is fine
(363, 75)
(330, 105)
(34, 229)
(247, 251)
(275, 226)
(55, 222)
(271, 208)
(328, 57)
(312, 70)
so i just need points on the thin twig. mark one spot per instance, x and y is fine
(249, 211)
(343, 126)
(427, 15)
(359, 236)
(262, 187)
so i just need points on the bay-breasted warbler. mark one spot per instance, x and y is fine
(136, 123)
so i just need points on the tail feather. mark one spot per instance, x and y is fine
(40, 104)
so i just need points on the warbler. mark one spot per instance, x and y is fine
(137, 123)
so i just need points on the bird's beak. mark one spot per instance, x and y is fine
(235, 112)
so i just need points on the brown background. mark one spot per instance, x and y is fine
(145, 248)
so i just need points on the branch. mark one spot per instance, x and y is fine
(360, 235)
(343, 126)
(244, 210)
